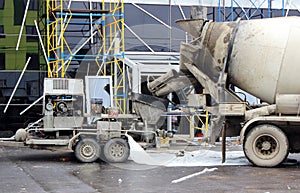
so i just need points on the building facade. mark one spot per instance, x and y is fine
(11, 18)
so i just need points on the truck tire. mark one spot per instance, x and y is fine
(266, 146)
(87, 150)
(116, 150)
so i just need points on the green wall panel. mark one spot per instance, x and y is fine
(15, 60)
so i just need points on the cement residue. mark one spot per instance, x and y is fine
(201, 157)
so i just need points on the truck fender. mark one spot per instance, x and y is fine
(72, 140)
(266, 119)
(75, 137)
(247, 126)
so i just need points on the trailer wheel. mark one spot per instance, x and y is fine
(116, 150)
(87, 150)
(266, 146)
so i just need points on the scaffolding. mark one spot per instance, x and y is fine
(101, 42)
(249, 9)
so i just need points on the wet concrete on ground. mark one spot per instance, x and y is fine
(26, 170)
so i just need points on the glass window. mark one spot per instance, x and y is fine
(33, 5)
(3, 83)
(31, 34)
(2, 61)
(34, 61)
(18, 12)
(32, 88)
(2, 4)
(2, 35)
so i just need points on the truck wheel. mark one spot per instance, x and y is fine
(87, 150)
(266, 146)
(116, 150)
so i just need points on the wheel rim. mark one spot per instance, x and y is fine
(117, 150)
(266, 146)
(87, 150)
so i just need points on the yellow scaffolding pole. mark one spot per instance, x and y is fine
(194, 125)
(110, 55)
(113, 51)
(54, 42)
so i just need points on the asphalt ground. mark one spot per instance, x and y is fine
(25, 170)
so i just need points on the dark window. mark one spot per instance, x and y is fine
(32, 88)
(18, 12)
(2, 35)
(2, 4)
(3, 83)
(31, 34)
(2, 61)
(34, 63)
(33, 5)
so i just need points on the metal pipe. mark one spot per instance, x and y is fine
(13, 93)
(73, 54)
(32, 105)
(224, 141)
(170, 29)
(105, 56)
(139, 38)
(151, 15)
(184, 17)
(41, 43)
(22, 26)
(64, 22)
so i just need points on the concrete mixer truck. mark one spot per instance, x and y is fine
(260, 57)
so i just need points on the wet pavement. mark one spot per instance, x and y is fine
(26, 170)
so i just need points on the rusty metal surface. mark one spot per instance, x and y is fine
(193, 27)
(168, 83)
(263, 61)
(150, 108)
(208, 52)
